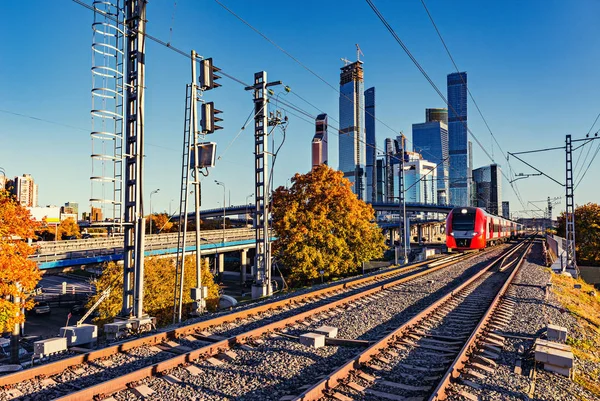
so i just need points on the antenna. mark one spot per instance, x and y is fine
(345, 60)
(358, 52)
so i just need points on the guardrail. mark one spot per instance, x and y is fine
(151, 241)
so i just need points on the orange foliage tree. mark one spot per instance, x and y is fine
(159, 284)
(322, 226)
(67, 228)
(587, 233)
(18, 274)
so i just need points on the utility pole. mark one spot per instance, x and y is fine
(571, 262)
(196, 156)
(262, 262)
(132, 312)
(570, 208)
(133, 264)
(404, 227)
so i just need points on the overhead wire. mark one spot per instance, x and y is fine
(511, 172)
(434, 86)
(382, 151)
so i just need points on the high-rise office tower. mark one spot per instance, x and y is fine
(371, 147)
(379, 197)
(457, 139)
(506, 210)
(488, 185)
(390, 160)
(25, 190)
(352, 141)
(472, 194)
(436, 115)
(430, 139)
(319, 142)
(419, 179)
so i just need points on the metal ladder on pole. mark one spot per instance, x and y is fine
(183, 200)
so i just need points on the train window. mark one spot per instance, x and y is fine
(463, 221)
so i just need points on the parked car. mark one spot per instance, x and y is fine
(41, 308)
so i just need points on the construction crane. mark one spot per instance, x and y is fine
(345, 60)
(358, 52)
(550, 202)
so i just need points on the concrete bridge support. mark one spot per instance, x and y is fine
(243, 264)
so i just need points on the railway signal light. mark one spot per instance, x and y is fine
(209, 118)
(207, 74)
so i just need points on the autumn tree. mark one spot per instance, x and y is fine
(159, 284)
(322, 226)
(587, 233)
(18, 274)
(68, 228)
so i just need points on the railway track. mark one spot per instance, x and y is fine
(418, 360)
(107, 370)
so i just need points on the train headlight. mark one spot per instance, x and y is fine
(475, 234)
(451, 234)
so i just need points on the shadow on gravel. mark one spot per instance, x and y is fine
(71, 385)
(411, 311)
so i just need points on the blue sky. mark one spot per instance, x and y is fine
(532, 68)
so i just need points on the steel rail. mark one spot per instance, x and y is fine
(330, 382)
(121, 382)
(440, 392)
(59, 366)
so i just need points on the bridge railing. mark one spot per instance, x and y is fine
(96, 246)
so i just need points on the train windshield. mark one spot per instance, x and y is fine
(463, 221)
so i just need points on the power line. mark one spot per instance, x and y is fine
(326, 82)
(414, 60)
(461, 77)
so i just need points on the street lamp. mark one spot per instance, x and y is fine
(152, 193)
(223, 185)
(247, 197)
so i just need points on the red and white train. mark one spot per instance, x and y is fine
(474, 228)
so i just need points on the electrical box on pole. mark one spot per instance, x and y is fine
(262, 284)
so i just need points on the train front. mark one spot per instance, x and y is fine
(465, 228)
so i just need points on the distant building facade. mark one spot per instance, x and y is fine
(371, 147)
(319, 142)
(96, 214)
(390, 160)
(440, 115)
(505, 209)
(73, 208)
(352, 141)
(488, 183)
(420, 179)
(381, 170)
(430, 139)
(25, 190)
(459, 184)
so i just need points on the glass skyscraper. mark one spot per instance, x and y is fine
(430, 139)
(371, 147)
(457, 140)
(436, 115)
(319, 142)
(352, 141)
(488, 188)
